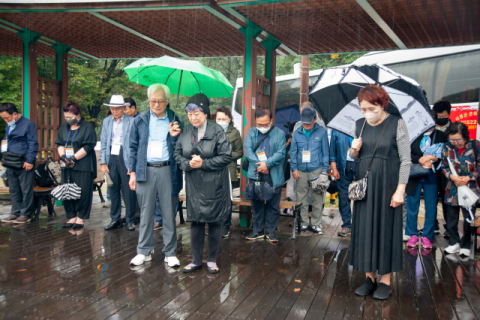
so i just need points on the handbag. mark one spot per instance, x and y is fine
(246, 163)
(13, 160)
(418, 171)
(358, 189)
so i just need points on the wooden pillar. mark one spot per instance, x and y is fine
(304, 79)
(29, 73)
(249, 91)
(270, 68)
(61, 71)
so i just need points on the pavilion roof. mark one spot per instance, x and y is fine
(205, 28)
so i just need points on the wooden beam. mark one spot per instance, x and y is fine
(304, 79)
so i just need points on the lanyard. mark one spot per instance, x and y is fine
(66, 142)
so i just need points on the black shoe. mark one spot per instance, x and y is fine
(272, 237)
(367, 288)
(383, 292)
(123, 220)
(131, 226)
(213, 270)
(445, 235)
(226, 233)
(255, 236)
(77, 226)
(420, 231)
(188, 269)
(114, 225)
(437, 230)
(68, 225)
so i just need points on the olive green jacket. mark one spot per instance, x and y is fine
(237, 150)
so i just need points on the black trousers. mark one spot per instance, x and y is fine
(82, 207)
(197, 233)
(120, 178)
(453, 215)
(266, 213)
(20, 186)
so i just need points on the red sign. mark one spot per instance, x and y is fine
(468, 115)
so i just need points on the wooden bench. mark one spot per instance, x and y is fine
(295, 208)
(41, 197)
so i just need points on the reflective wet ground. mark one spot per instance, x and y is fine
(47, 272)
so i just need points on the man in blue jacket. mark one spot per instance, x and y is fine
(114, 157)
(266, 165)
(309, 159)
(343, 169)
(154, 172)
(21, 138)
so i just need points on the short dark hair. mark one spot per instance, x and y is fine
(132, 102)
(458, 127)
(442, 106)
(9, 107)
(262, 112)
(227, 111)
(71, 106)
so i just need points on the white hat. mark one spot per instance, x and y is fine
(116, 101)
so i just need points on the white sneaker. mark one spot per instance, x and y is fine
(140, 259)
(405, 237)
(453, 249)
(465, 252)
(107, 204)
(172, 261)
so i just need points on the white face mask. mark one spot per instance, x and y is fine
(224, 125)
(263, 130)
(11, 123)
(373, 117)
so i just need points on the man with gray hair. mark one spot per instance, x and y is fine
(154, 172)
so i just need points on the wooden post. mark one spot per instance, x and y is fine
(29, 73)
(304, 79)
(249, 103)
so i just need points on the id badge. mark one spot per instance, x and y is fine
(348, 155)
(262, 156)
(4, 145)
(155, 149)
(69, 152)
(306, 156)
(116, 149)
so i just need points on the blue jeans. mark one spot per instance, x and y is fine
(413, 204)
(344, 202)
(158, 213)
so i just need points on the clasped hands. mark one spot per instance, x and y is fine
(460, 181)
(196, 162)
(69, 162)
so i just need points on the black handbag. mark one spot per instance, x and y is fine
(417, 171)
(13, 160)
(246, 163)
(358, 189)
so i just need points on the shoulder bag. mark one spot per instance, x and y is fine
(358, 189)
(246, 163)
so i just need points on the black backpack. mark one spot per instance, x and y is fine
(44, 176)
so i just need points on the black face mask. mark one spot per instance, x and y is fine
(441, 122)
(72, 121)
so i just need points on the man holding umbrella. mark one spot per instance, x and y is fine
(154, 172)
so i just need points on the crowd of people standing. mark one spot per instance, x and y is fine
(147, 155)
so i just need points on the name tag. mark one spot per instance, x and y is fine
(69, 152)
(4, 145)
(348, 154)
(116, 149)
(262, 156)
(155, 149)
(306, 156)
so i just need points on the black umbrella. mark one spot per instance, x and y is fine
(335, 96)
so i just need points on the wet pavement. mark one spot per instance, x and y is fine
(48, 272)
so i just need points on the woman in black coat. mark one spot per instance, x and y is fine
(203, 152)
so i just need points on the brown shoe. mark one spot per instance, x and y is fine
(10, 218)
(21, 219)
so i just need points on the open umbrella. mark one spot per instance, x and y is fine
(183, 77)
(284, 117)
(335, 96)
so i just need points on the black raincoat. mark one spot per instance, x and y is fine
(207, 188)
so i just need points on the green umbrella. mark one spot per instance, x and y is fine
(184, 77)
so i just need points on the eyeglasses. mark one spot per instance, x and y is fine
(263, 125)
(455, 141)
(154, 102)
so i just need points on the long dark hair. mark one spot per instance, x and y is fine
(227, 111)
(458, 127)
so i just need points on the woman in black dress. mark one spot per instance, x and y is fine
(76, 142)
(377, 242)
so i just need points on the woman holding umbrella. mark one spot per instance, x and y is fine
(377, 245)
(203, 152)
(461, 151)
(76, 141)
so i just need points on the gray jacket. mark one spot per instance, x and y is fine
(106, 139)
